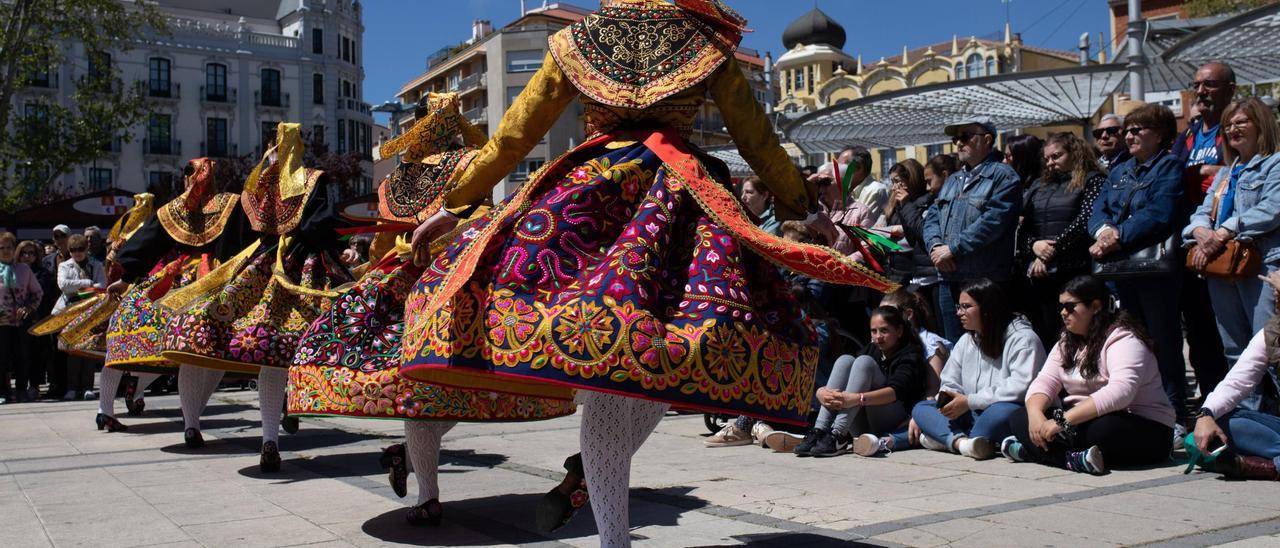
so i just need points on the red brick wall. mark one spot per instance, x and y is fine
(1150, 9)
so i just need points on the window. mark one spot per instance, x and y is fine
(797, 82)
(960, 71)
(346, 49)
(527, 167)
(215, 82)
(268, 134)
(525, 60)
(342, 137)
(99, 65)
(160, 134)
(99, 178)
(36, 112)
(975, 67)
(159, 181)
(991, 66)
(346, 88)
(317, 133)
(317, 89)
(933, 150)
(271, 87)
(160, 83)
(455, 80)
(317, 41)
(808, 71)
(215, 137)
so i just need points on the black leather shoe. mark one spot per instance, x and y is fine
(290, 424)
(110, 424)
(427, 513)
(556, 509)
(393, 459)
(193, 439)
(270, 461)
(135, 407)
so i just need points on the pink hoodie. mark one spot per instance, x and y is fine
(1128, 379)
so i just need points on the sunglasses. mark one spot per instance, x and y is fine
(1112, 131)
(965, 136)
(1134, 130)
(1069, 307)
(78, 249)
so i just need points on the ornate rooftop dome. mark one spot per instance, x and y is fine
(814, 27)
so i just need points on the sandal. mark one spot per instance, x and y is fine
(397, 472)
(556, 508)
(110, 424)
(428, 513)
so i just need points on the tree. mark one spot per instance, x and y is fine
(1209, 8)
(47, 139)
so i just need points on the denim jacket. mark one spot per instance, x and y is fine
(976, 215)
(1151, 190)
(1256, 213)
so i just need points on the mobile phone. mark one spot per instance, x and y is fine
(944, 398)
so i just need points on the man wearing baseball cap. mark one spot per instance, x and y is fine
(60, 235)
(969, 229)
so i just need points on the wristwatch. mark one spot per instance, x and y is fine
(1205, 412)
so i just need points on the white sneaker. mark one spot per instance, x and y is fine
(933, 445)
(869, 445)
(978, 448)
(760, 431)
(1179, 434)
(729, 436)
(782, 442)
(90, 395)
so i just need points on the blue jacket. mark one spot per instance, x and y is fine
(976, 215)
(1151, 190)
(1256, 211)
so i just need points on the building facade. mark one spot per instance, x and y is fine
(220, 82)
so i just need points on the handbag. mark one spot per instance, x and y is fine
(1236, 259)
(1159, 259)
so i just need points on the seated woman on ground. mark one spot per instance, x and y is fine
(1115, 406)
(1249, 426)
(936, 349)
(986, 377)
(745, 430)
(869, 398)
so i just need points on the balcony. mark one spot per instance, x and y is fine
(279, 100)
(477, 116)
(208, 97)
(159, 147)
(219, 150)
(471, 83)
(157, 91)
(355, 105)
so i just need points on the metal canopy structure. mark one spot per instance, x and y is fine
(1249, 42)
(917, 115)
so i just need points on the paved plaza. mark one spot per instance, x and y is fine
(63, 483)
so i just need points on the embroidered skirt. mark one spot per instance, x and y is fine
(348, 364)
(138, 325)
(85, 335)
(605, 273)
(252, 320)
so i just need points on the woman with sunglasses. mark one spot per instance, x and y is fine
(1053, 245)
(78, 276)
(19, 295)
(31, 254)
(1114, 412)
(1243, 205)
(1137, 209)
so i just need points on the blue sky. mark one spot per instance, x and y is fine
(400, 33)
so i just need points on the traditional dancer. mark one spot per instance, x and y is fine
(188, 237)
(348, 362)
(626, 268)
(248, 314)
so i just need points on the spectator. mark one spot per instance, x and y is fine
(1200, 153)
(908, 200)
(1244, 206)
(1253, 437)
(885, 383)
(985, 379)
(850, 214)
(97, 243)
(52, 259)
(936, 349)
(969, 229)
(1111, 147)
(1053, 240)
(19, 296)
(936, 171)
(756, 198)
(75, 275)
(42, 348)
(1022, 153)
(1114, 412)
(357, 251)
(863, 188)
(1135, 210)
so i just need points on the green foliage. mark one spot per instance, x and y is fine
(1209, 8)
(44, 137)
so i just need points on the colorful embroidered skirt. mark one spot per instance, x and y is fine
(136, 329)
(85, 335)
(606, 274)
(254, 319)
(349, 360)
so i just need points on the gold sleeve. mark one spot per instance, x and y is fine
(793, 197)
(535, 110)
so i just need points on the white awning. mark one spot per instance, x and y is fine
(1249, 43)
(917, 115)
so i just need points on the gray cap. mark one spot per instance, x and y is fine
(62, 228)
(984, 121)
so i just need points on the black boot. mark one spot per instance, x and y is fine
(193, 439)
(270, 461)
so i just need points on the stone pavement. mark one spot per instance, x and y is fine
(63, 483)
